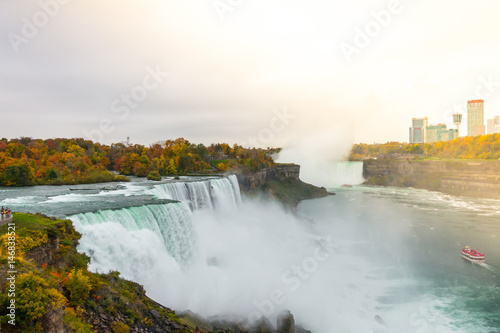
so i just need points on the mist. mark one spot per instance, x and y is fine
(258, 260)
(321, 155)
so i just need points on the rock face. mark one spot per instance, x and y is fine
(259, 178)
(286, 323)
(468, 178)
(281, 182)
(46, 253)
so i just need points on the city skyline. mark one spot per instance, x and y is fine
(423, 132)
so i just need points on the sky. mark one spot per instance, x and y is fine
(259, 73)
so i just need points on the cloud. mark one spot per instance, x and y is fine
(227, 76)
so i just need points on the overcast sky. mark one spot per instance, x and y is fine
(277, 71)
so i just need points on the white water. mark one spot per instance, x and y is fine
(343, 264)
(171, 224)
(222, 193)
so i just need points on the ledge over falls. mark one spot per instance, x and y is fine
(282, 182)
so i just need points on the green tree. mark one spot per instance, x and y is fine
(18, 175)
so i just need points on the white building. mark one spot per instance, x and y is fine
(494, 125)
(475, 118)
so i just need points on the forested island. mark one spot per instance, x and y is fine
(26, 161)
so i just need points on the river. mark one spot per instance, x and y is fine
(368, 259)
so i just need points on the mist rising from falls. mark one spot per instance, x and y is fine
(246, 258)
(243, 258)
(322, 159)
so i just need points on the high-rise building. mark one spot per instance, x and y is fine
(418, 130)
(439, 132)
(475, 118)
(457, 120)
(494, 125)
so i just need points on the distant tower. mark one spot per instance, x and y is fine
(128, 141)
(475, 118)
(457, 120)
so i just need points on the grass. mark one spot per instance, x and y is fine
(26, 223)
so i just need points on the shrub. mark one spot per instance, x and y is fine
(120, 327)
(23, 244)
(154, 175)
(34, 294)
(74, 323)
(78, 286)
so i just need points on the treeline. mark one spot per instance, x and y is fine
(478, 147)
(27, 161)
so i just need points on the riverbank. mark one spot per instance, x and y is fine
(474, 178)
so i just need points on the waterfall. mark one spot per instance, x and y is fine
(171, 222)
(194, 194)
(222, 193)
(347, 172)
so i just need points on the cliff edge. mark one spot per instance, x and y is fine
(281, 182)
(474, 178)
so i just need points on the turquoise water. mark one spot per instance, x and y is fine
(365, 260)
(418, 234)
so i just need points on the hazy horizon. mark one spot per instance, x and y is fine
(261, 73)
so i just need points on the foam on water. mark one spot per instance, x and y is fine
(18, 200)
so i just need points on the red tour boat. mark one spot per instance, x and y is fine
(472, 255)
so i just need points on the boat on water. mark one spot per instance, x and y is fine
(472, 255)
(346, 185)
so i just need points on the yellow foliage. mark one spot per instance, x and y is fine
(222, 167)
(78, 285)
(120, 327)
(23, 244)
(34, 293)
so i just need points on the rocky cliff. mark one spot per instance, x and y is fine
(458, 177)
(280, 172)
(281, 182)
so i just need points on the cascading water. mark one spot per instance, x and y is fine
(347, 172)
(223, 193)
(172, 222)
(195, 194)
